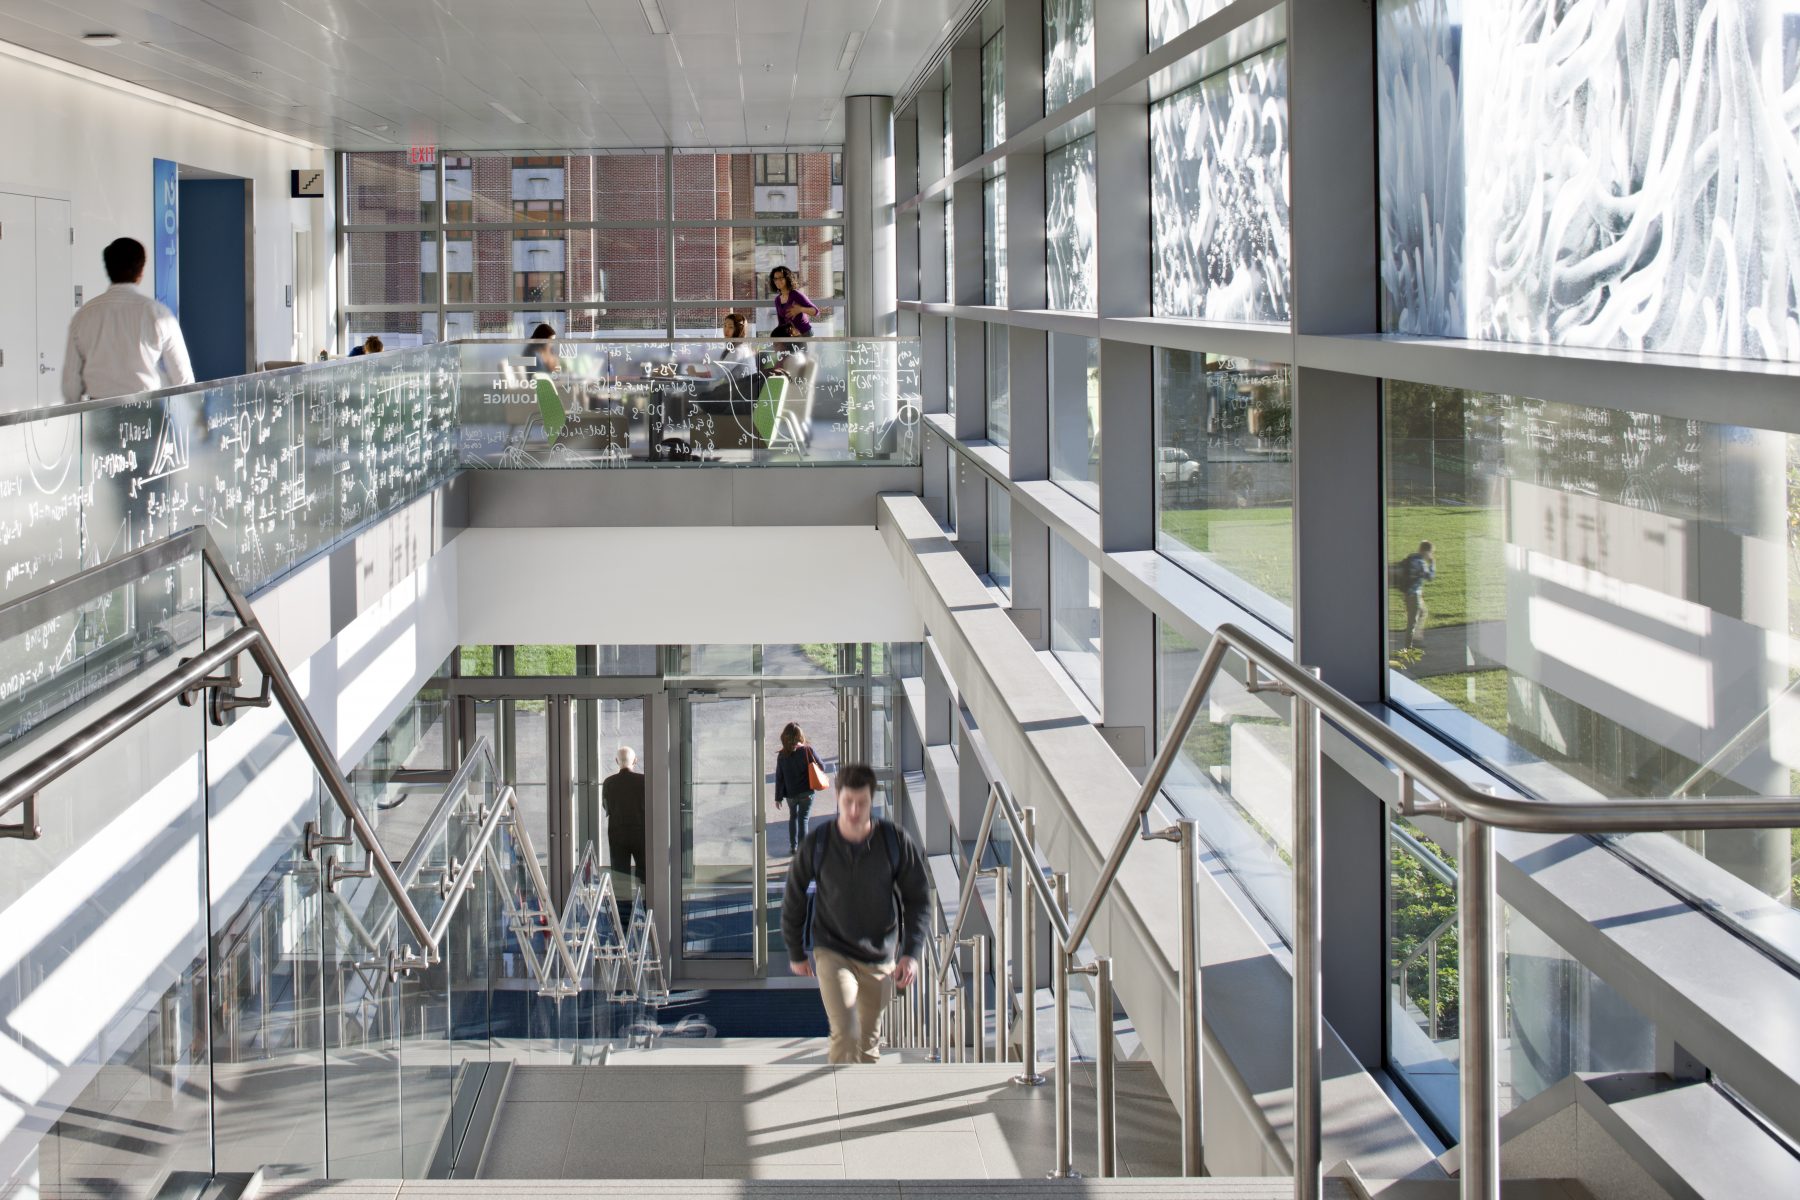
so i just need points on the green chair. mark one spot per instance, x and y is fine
(550, 407)
(769, 407)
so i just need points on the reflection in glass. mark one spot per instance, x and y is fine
(950, 248)
(1068, 51)
(1169, 18)
(1595, 213)
(720, 763)
(1069, 224)
(993, 238)
(1225, 475)
(999, 536)
(999, 386)
(1075, 615)
(950, 360)
(993, 91)
(949, 127)
(1578, 627)
(1075, 415)
(1218, 178)
(1233, 775)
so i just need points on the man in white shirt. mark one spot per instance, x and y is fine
(123, 342)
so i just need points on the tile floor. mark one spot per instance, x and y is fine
(757, 1121)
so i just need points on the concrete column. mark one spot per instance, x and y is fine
(1031, 577)
(907, 279)
(869, 261)
(1339, 573)
(1067, 383)
(1029, 453)
(971, 261)
(965, 99)
(1122, 209)
(971, 377)
(1127, 447)
(1024, 63)
(970, 482)
(1121, 32)
(1127, 675)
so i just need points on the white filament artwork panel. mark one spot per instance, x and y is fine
(1068, 51)
(1606, 173)
(1171, 18)
(1219, 191)
(1069, 225)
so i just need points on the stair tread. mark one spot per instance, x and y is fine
(733, 1189)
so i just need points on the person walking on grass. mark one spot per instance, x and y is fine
(1415, 571)
(857, 899)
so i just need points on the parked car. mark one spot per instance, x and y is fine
(1174, 466)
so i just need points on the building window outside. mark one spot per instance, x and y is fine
(950, 362)
(1075, 616)
(999, 535)
(1564, 623)
(1075, 416)
(949, 249)
(999, 386)
(1218, 181)
(1068, 51)
(949, 129)
(993, 91)
(993, 239)
(1069, 224)
(1225, 476)
(590, 279)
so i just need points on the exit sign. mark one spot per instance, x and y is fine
(422, 156)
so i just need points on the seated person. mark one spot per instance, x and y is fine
(541, 350)
(785, 358)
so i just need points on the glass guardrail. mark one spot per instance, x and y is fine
(812, 402)
(281, 465)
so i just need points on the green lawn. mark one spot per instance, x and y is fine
(1481, 694)
(1257, 545)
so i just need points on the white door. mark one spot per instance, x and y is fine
(55, 295)
(18, 303)
(300, 298)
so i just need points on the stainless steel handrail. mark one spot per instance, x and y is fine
(1477, 809)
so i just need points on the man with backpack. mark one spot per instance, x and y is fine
(1410, 575)
(857, 899)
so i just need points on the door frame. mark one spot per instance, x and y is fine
(560, 693)
(754, 967)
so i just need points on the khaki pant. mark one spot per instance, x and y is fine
(855, 993)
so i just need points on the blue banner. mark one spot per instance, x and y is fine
(165, 255)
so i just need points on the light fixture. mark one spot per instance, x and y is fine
(368, 133)
(653, 13)
(100, 40)
(506, 112)
(852, 44)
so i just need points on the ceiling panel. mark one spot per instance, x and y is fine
(428, 70)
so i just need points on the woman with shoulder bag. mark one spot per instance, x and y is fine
(798, 774)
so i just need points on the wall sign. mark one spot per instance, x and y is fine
(307, 184)
(422, 156)
(165, 255)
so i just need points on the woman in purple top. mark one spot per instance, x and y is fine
(792, 308)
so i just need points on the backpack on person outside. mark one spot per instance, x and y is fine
(892, 841)
(1406, 574)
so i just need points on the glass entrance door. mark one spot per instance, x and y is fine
(721, 904)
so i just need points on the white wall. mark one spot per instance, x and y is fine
(73, 133)
(680, 586)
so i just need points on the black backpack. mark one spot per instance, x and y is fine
(889, 838)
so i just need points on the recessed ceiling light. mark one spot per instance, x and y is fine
(506, 112)
(653, 13)
(100, 39)
(368, 133)
(852, 44)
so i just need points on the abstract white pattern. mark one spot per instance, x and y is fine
(1068, 51)
(1219, 193)
(1610, 173)
(1069, 225)
(1171, 18)
(993, 91)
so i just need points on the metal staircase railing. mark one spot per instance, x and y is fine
(1426, 786)
(214, 675)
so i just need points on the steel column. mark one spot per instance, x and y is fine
(1309, 975)
(1193, 1153)
(1477, 932)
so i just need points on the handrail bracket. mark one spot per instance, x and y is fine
(27, 828)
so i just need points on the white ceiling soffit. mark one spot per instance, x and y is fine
(382, 74)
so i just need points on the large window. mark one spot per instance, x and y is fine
(1075, 615)
(587, 243)
(1606, 602)
(1069, 224)
(1068, 51)
(1612, 210)
(993, 91)
(1170, 18)
(1225, 476)
(999, 536)
(999, 386)
(1075, 415)
(1218, 179)
(993, 239)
